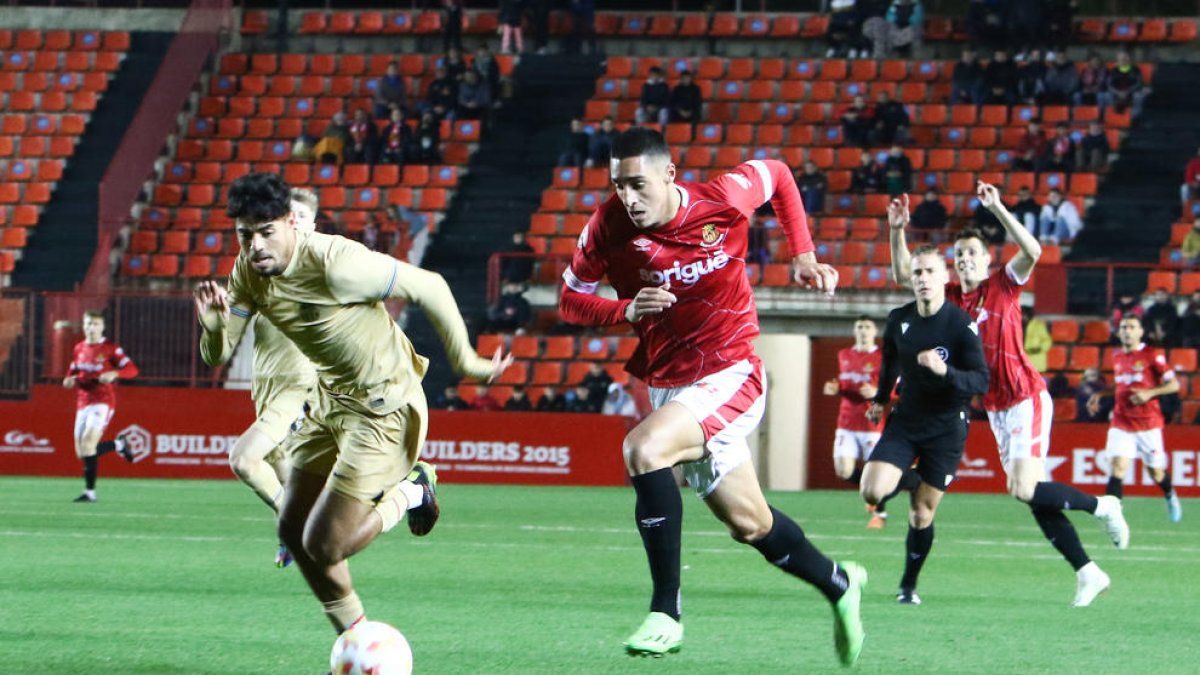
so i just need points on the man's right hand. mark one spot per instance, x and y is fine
(69, 382)
(1093, 404)
(898, 212)
(831, 387)
(874, 413)
(650, 300)
(212, 305)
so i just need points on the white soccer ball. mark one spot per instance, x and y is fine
(371, 648)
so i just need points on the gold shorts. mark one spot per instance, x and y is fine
(280, 410)
(363, 455)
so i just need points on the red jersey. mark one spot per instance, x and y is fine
(88, 362)
(855, 369)
(701, 254)
(1142, 368)
(996, 308)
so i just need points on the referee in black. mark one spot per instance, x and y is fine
(934, 347)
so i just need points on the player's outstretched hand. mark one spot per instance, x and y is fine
(898, 212)
(874, 413)
(212, 305)
(107, 377)
(500, 363)
(649, 300)
(812, 274)
(868, 391)
(831, 387)
(1093, 404)
(988, 195)
(69, 382)
(930, 359)
(1140, 396)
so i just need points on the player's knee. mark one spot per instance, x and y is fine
(642, 453)
(240, 465)
(748, 528)
(1022, 490)
(871, 493)
(844, 472)
(921, 516)
(323, 550)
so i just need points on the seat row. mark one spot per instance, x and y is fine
(374, 65)
(167, 219)
(24, 170)
(274, 151)
(33, 62)
(296, 173)
(59, 147)
(68, 79)
(1176, 282)
(232, 126)
(81, 101)
(333, 198)
(64, 40)
(1077, 357)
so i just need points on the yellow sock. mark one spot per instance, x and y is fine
(344, 613)
(391, 508)
(262, 479)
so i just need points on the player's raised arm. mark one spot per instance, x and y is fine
(898, 216)
(1029, 250)
(223, 322)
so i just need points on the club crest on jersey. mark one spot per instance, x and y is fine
(943, 353)
(642, 244)
(867, 367)
(709, 234)
(1139, 365)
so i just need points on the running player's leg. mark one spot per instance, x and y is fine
(90, 423)
(845, 456)
(919, 541)
(1154, 456)
(248, 461)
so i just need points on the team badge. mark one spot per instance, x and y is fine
(709, 234)
(867, 367)
(1138, 365)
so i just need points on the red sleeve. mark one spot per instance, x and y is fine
(124, 365)
(1160, 368)
(585, 309)
(753, 183)
(1193, 171)
(579, 303)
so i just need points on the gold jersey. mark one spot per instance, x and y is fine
(278, 363)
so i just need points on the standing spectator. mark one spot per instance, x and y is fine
(601, 145)
(1093, 83)
(596, 381)
(519, 401)
(654, 103)
(575, 146)
(845, 25)
(551, 401)
(1027, 210)
(985, 23)
(455, 66)
(510, 26)
(1190, 249)
(452, 19)
(449, 400)
(1061, 155)
(1059, 17)
(369, 236)
(583, 25)
(1031, 73)
(539, 24)
(898, 32)
(1094, 149)
(1125, 86)
(813, 185)
(1191, 180)
(511, 313)
(930, 214)
(1037, 338)
(1060, 82)
(897, 172)
(519, 268)
(1025, 23)
(1059, 222)
(1162, 320)
(1091, 384)
(686, 103)
(1189, 323)
(619, 402)
(1059, 386)
(364, 139)
(489, 71)
(443, 94)
(966, 82)
(390, 92)
(857, 121)
(891, 120)
(474, 97)
(484, 401)
(1127, 303)
(867, 177)
(397, 140)
(428, 147)
(1032, 148)
(1000, 80)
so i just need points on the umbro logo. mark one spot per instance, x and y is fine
(642, 244)
(652, 522)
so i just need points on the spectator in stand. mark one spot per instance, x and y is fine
(575, 146)
(428, 146)
(1037, 338)
(813, 185)
(930, 215)
(897, 172)
(510, 27)
(1093, 83)
(1189, 322)
(390, 91)
(596, 382)
(1127, 303)
(1032, 148)
(966, 82)
(1061, 150)
(1162, 320)
(369, 236)
(898, 32)
(397, 140)
(845, 26)
(517, 269)
(619, 402)
(601, 145)
(551, 401)
(1059, 386)
(364, 139)
(332, 146)
(484, 401)
(1000, 80)
(452, 18)
(442, 95)
(1031, 73)
(1060, 222)
(539, 25)
(1171, 407)
(583, 25)
(489, 71)
(577, 401)
(1190, 249)
(654, 104)
(511, 313)
(857, 122)
(686, 103)
(455, 66)
(1027, 210)
(1094, 149)
(985, 23)
(1059, 18)
(867, 177)
(1091, 384)
(758, 252)
(1191, 180)
(519, 401)
(891, 121)
(1025, 23)
(1126, 89)
(450, 400)
(474, 97)
(1060, 82)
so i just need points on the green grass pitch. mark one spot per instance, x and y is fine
(177, 577)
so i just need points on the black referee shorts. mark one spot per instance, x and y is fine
(936, 443)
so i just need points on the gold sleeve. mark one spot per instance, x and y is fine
(217, 346)
(432, 293)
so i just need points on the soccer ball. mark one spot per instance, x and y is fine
(371, 648)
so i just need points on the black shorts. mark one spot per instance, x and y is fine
(937, 442)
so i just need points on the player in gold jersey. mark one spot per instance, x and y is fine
(325, 294)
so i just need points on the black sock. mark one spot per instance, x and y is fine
(855, 477)
(1062, 535)
(1165, 484)
(916, 548)
(1062, 497)
(105, 447)
(659, 513)
(786, 547)
(1115, 487)
(89, 472)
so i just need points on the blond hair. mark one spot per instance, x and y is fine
(306, 197)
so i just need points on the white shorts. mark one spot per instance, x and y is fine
(728, 405)
(93, 417)
(854, 444)
(1023, 431)
(1147, 445)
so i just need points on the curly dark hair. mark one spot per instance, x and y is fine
(258, 198)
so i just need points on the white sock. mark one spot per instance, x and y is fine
(413, 493)
(90, 493)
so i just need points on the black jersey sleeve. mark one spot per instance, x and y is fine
(890, 368)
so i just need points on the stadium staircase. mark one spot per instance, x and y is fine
(503, 187)
(59, 256)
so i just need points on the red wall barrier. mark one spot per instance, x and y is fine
(187, 433)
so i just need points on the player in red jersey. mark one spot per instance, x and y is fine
(95, 366)
(1140, 376)
(1018, 406)
(675, 254)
